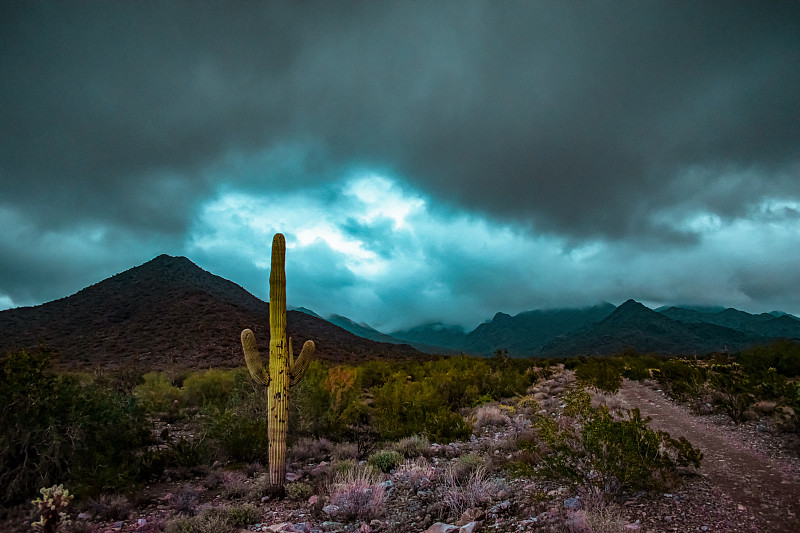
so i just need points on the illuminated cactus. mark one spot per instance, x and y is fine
(52, 506)
(283, 370)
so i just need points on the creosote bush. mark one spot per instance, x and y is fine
(592, 447)
(62, 428)
(385, 460)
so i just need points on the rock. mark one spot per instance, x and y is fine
(317, 471)
(141, 522)
(331, 526)
(441, 527)
(84, 516)
(632, 527)
(471, 515)
(275, 528)
(472, 527)
(330, 509)
(313, 499)
(292, 476)
(572, 503)
(365, 528)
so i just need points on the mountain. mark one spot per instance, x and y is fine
(166, 312)
(764, 324)
(632, 326)
(362, 330)
(525, 334)
(435, 336)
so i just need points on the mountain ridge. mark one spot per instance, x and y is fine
(170, 312)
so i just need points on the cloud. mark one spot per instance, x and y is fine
(449, 265)
(573, 151)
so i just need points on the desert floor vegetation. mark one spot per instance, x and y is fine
(498, 443)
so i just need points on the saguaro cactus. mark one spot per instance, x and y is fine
(283, 370)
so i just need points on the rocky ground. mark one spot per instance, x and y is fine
(749, 482)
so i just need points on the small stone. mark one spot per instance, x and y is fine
(292, 477)
(141, 522)
(441, 527)
(365, 528)
(572, 503)
(472, 527)
(84, 516)
(313, 499)
(330, 509)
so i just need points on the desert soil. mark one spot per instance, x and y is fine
(760, 476)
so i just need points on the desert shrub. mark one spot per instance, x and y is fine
(179, 454)
(213, 387)
(184, 501)
(404, 407)
(358, 495)
(310, 450)
(601, 374)
(327, 401)
(60, 428)
(683, 379)
(345, 450)
(490, 416)
(109, 507)
(418, 473)
(413, 446)
(463, 467)
(385, 460)
(156, 393)
(209, 521)
(782, 355)
(733, 394)
(241, 515)
(234, 485)
(235, 436)
(299, 491)
(475, 491)
(593, 447)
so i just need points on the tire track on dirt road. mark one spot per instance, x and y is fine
(766, 489)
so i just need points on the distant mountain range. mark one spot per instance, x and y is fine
(604, 330)
(170, 312)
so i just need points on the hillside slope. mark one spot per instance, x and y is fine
(165, 312)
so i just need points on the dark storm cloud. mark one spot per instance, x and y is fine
(629, 123)
(579, 116)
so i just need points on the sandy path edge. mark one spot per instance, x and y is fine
(764, 486)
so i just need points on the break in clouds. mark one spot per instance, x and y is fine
(427, 161)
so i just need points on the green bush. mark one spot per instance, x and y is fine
(60, 429)
(601, 374)
(327, 401)
(214, 387)
(240, 437)
(385, 460)
(599, 450)
(157, 394)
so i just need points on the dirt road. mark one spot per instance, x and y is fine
(766, 489)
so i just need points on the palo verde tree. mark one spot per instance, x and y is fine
(282, 371)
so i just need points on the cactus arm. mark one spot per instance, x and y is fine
(255, 365)
(299, 367)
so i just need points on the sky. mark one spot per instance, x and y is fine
(427, 161)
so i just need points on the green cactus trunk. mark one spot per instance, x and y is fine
(283, 371)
